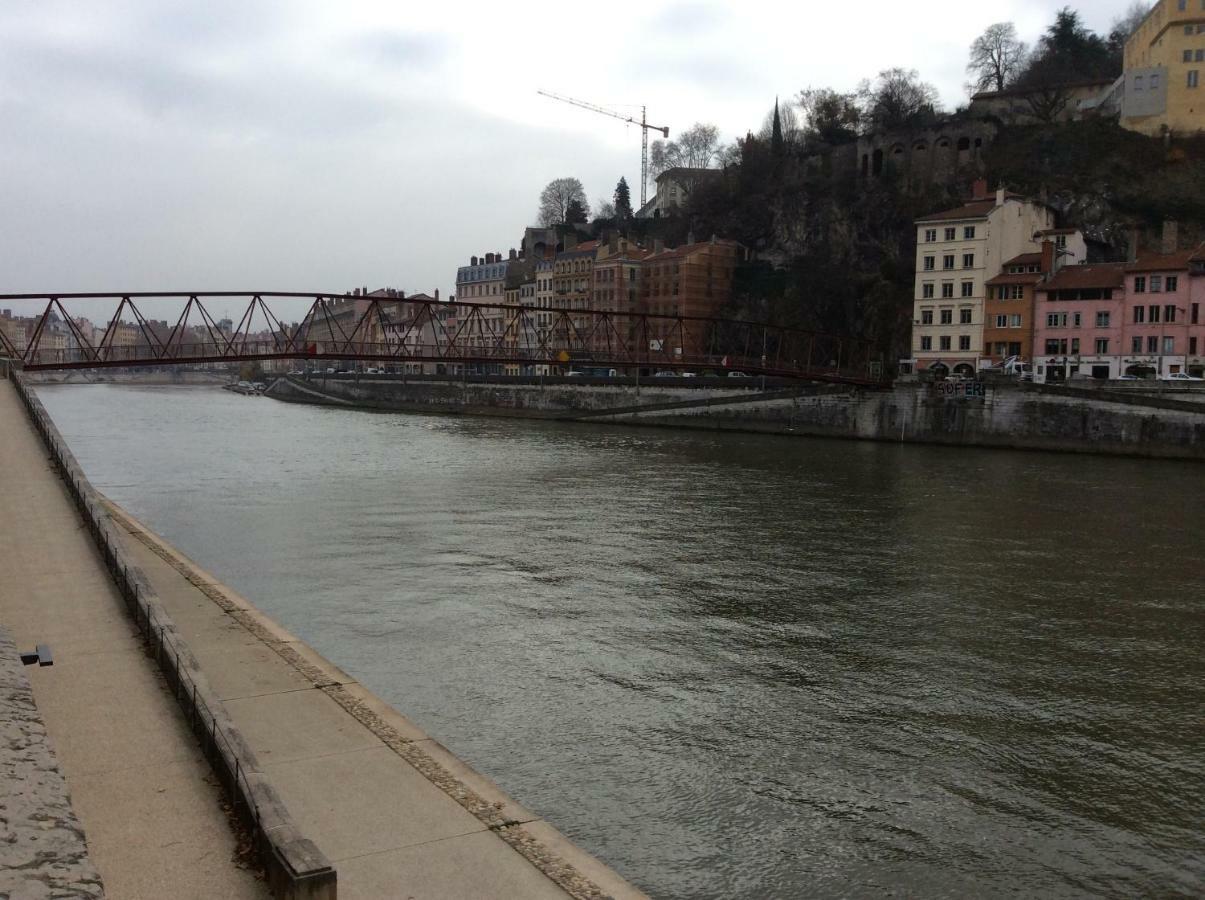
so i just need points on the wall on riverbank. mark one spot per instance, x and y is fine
(1018, 416)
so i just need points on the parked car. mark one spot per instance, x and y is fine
(737, 375)
(574, 374)
(1181, 376)
(664, 374)
(1127, 378)
(687, 374)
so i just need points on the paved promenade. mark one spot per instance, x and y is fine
(393, 810)
(140, 787)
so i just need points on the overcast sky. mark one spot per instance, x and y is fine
(317, 146)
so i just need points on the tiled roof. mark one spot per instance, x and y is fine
(1102, 275)
(1025, 259)
(687, 249)
(1156, 262)
(1025, 278)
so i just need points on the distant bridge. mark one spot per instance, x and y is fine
(189, 328)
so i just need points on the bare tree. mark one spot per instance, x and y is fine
(997, 58)
(605, 209)
(1127, 23)
(696, 148)
(897, 98)
(556, 198)
(788, 123)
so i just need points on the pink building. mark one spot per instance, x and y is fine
(1165, 329)
(1079, 322)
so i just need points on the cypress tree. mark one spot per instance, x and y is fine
(777, 146)
(623, 200)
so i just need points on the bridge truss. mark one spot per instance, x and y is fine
(184, 328)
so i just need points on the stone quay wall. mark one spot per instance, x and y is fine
(1007, 415)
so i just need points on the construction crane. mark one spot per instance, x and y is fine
(644, 133)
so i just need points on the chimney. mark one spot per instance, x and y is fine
(1133, 233)
(400, 294)
(1048, 257)
(513, 255)
(1171, 237)
(979, 189)
(570, 240)
(658, 245)
(613, 243)
(472, 260)
(437, 295)
(355, 292)
(999, 196)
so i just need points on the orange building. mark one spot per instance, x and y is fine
(1008, 310)
(691, 280)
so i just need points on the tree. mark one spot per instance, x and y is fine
(605, 210)
(997, 57)
(776, 143)
(696, 148)
(829, 116)
(578, 212)
(1069, 51)
(556, 198)
(623, 200)
(897, 98)
(1124, 26)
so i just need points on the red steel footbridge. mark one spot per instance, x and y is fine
(420, 333)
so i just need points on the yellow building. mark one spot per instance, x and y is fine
(1164, 65)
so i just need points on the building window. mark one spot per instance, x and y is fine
(945, 342)
(1102, 320)
(964, 342)
(1155, 82)
(1075, 345)
(947, 289)
(1172, 283)
(1181, 5)
(1136, 345)
(1187, 56)
(1014, 320)
(1139, 315)
(931, 233)
(951, 233)
(1056, 346)
(1200, 55)
(964, 317)
(968, 260)
(1169, 313)
(1138, 82)
(926, 317)
(1194, 78)
(1076, 320)
(1152, 343)
(1156, 284)
(1140, 284)
(926, 290)
(1001, 321)
(1169, 344)
(968, 289)
(929, 263)
(968, 233)
(1152, 314)
(1056, 320)
(1196, 313)
(947, 317)
(926, 342)
(947, 262)
(1102, 346)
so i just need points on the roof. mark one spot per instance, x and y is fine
(688, 172)
(1101, 275)
(1157, 262)
(687, 249)
(978, 208)
(1058, 231)
(1025, 92)
(1025, 259)
(1025, 278)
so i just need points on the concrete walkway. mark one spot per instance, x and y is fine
(140, 787)
(395, 812)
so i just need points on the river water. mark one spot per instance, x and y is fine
(731, 666)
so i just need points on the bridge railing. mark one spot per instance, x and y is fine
(394, 330)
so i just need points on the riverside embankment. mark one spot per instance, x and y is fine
(302, 747)
(1005, 415)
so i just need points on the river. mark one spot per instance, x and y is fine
(730, 666)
